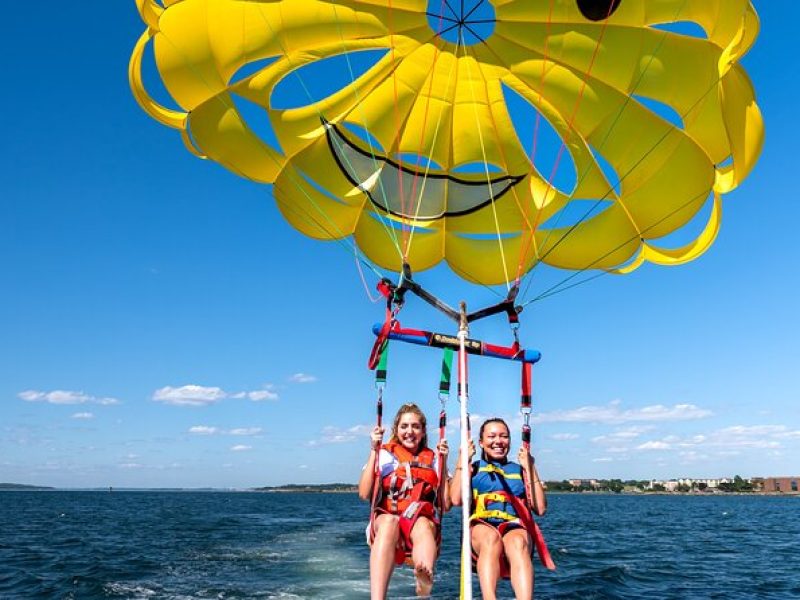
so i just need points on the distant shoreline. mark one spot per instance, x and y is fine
(354, 489)
(4, 487)
(343, 488)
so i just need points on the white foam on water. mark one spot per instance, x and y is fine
(125, 589)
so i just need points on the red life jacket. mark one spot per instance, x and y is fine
(413, 480)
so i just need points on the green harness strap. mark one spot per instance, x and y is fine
(447, 370)
(380, 370)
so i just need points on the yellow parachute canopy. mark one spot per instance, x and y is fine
(589, 68)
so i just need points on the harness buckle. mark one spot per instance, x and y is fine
(526, 415)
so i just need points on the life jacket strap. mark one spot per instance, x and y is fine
(482, 512)
(484, 515)
(490, 468)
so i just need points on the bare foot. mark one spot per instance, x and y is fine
(424, 581)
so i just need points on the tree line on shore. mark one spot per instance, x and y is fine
(617, 486)
(737, 485)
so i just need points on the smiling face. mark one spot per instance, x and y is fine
(420, 139)
(396, 188)
(495, 440)
(409, 428)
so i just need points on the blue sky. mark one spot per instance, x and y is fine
(163, 326)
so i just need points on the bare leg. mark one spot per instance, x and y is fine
(423, 553)
(381, 557)
(517, 546)
(488, 545)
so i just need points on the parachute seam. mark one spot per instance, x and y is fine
(288, 56)
(433, 146)
(638, 162)
(504, 157)
(569, 132)
(389, 230)
(429, 153)
(583, 175)
(486, 168)
(628, 97)
(534, 144)
(396, 142)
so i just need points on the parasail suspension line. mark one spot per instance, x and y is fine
(600, 145)
(466, 483)
(488, 176)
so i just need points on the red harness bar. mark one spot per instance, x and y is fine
(441, 340)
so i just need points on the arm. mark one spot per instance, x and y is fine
(367, 479)
(455, 482)
(538, 499)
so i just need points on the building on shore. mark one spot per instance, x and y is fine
(673, 485)
(787, 485)
(584, 483)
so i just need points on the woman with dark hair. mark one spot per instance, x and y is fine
(501, 524)
(404, 525)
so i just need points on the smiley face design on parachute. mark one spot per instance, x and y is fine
(427, 138)
(394, 186)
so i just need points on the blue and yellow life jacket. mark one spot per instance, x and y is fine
(499, 499)
(493, 486)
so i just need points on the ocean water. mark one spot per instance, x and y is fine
(175, 545)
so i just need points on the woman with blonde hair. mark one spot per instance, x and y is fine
(402, 479)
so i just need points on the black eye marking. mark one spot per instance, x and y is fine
(597, 10)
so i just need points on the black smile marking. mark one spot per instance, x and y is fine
(428, 195)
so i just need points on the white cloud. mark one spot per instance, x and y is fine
(623, 435)
(336, 435)
(189, 395)
(208, 430)
(240, 448)
(245, 431)
(83, 415)
(725, 442)
(753, 430)
(203, 430)
(260, 395)
(603, 459)
(130, 465)
(612, 413)
(692, 456)
(564, 436)
(64, 397)
(198, 395)
(302, 378)
(654, 445)
(755, 436)
(105, 401)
